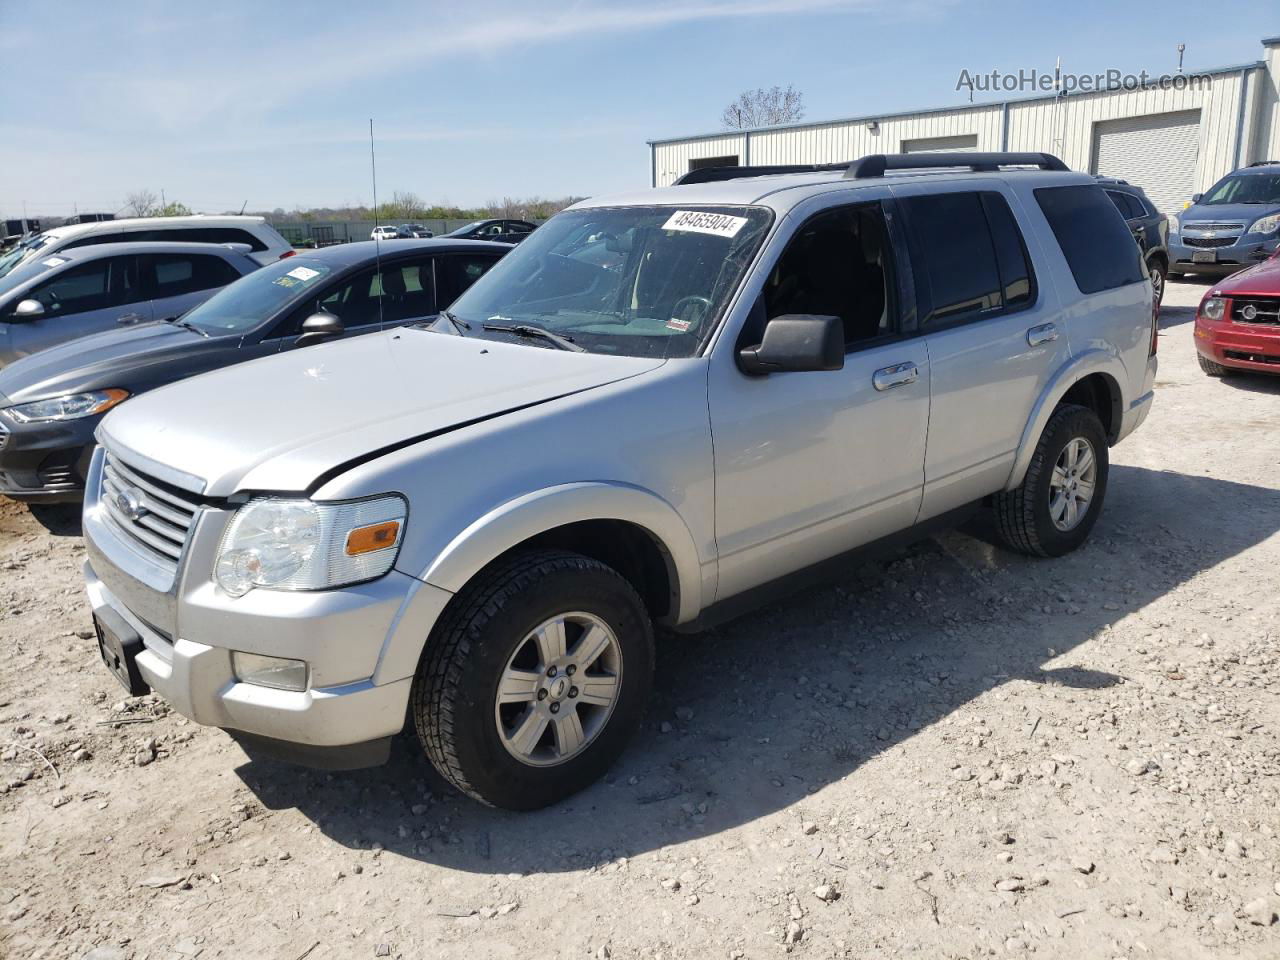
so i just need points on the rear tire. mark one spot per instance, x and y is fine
(497, 665)
(1158, 276)
(1212, 368)
(1045, 516)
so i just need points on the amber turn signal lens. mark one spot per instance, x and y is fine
(377, 536)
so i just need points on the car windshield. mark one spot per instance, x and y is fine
(248, 301)
(634, 281)
(1251, 188)
(15, 256)
(467, 229)
(24, 271)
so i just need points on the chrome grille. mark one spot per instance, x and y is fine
(1256, 310)
(154, 515)
(1209, 241)
(1213, 225)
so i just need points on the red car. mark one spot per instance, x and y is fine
(1238, 322)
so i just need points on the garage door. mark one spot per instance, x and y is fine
(1156, 152)
(968, 141)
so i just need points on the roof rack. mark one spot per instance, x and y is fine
(877, 164)
(718, 174)
(1264, 163)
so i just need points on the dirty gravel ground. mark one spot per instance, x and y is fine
(956, 752)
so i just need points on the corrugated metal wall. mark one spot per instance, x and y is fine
(1063, 126)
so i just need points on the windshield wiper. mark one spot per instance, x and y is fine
(535, 333)
(187, 325)
(458, 323)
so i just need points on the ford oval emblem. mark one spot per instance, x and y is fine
(129, 500)
(1249, 312)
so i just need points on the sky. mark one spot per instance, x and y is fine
(268, 104)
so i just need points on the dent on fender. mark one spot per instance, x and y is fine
(524, 517)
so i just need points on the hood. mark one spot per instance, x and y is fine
(1244, 213)
(281, 422)
(1262, 279)
(133, 358)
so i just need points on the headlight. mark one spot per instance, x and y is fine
(1213, 308)
(1174, 225)
(71, 407)
(300, 545)
(1266, 224)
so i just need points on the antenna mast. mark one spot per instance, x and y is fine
(377, 237)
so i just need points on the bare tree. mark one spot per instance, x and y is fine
(764, 108)
(404, 205)
(141, 203)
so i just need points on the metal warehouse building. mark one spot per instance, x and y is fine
(1172, 142)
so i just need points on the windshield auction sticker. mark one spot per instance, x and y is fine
(304, 273)
(54, 262)
(716, 224)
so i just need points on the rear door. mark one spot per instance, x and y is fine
(102, 294)
(176, 282)
(993, 331)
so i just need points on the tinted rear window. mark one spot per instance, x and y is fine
(958, 253)
(1092, 234)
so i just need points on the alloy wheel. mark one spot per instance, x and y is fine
(1075, 476)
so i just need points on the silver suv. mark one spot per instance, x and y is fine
(656, 404)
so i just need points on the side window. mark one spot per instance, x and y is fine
(515, 226)
(175, 274)
(1017, 279)
(838, 264)
(97, 238)
(1098, 246)
(958, 274)
(492, 230)
(82, 288)
(408, 291)
(458, 271)
(1128, 205)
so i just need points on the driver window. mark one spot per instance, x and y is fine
(86, 287)
(838, 264)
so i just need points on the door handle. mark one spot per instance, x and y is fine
(129, 318)
(900, 374)
(1045, 333)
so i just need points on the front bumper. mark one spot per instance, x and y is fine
(1244, 252)
(1239, 346)
(45, 462)
(361, 643)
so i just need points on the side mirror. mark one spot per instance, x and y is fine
(796, 342)
(28, 310)
(319, 326)
(1195, 197)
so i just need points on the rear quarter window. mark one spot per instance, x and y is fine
(1097, 244)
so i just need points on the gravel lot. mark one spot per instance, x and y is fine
(957, 752)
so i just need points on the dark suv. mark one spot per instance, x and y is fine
(1148, 225)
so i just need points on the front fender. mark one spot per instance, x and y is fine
(1097, 360)
(518, 520)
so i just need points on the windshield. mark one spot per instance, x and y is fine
(467, 229)
(1252, 188)
(632, 281)
(253, 298)
(15, 256)
(23, 272)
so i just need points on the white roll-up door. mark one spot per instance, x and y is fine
(1156, 152)
(968, 141)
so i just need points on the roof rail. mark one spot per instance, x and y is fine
(877, 164)
(1264, 163)
(718, 174)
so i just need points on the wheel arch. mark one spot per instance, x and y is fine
(629, 528)
(1092, 380)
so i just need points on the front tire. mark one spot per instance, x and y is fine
(535, 679)
(1211, 367)
(1052, 511)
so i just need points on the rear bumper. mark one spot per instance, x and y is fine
(1239, 346)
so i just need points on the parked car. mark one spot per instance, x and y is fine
(475, 524)
(385, 232)
(84, 290)
(415, 230)
(1149, 226)
(1234, 225)
(1238, 322)
(504, 231)
(264, 243)
(50, 404)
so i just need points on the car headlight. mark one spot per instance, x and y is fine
(287, 544)
(1266, 224)
(1213, 309)
(1174, 225)
(71, 407)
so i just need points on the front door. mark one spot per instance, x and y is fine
(809, 465)
(103, 294)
